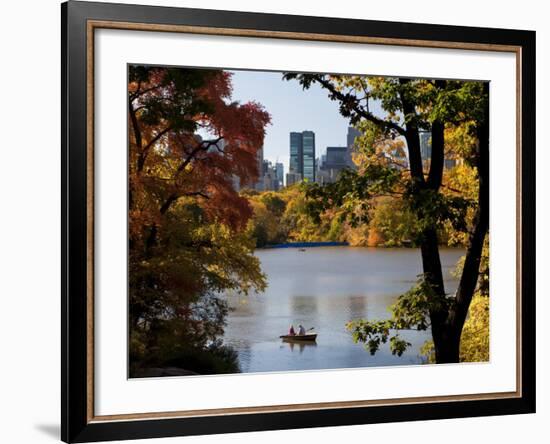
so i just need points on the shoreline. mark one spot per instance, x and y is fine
(306, 245)
(346, 244)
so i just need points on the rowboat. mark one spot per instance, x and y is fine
(307, 337)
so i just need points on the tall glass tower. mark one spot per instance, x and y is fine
(296, 164)
(280, 171)
(302, 155)
(308, 148)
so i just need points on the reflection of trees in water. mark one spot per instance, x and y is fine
(244, 355)
(251, 306)
(356, 305)
(327, 310)
(300, 345)
(304, 305)
(294, 297)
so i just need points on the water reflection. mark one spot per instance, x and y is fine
(305, 305)
(298, 345)
(325, 288)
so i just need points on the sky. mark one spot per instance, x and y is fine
(291, 109)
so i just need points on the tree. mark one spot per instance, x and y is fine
(474, 341)
(263, 226)
(391, 223)
(412, 107)
(169, 160)
(188, 142)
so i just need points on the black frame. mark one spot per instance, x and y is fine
(75, 426)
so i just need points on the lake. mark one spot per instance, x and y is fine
(326, 287)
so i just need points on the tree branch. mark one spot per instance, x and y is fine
(411, 135)
(435, 175)
(358, 108)
(139, 93)
(437, 160)
(202, 146)
(135, 126)
(174, 197)
(143, 153)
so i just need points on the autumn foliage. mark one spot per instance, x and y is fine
(188, 145)
(455, 115)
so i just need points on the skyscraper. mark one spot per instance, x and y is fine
(308, 149)
(335, 161)
(296, 159)
(259, 185)
(336, 156)
(302, 155)
(292, 178)
(269, 177)
(280, 169)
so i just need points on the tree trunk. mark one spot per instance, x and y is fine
(470, 272)
(446, 339)
(446, 343)
(446, 346)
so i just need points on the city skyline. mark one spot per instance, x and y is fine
(292, 110)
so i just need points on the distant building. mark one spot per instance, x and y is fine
(296, 165)
(292, 178)
(302, 156)
(218, 148)
(280, 170)
(426, 152)
(449, 163)
(336, 159)
(308, 147)
(267, 174)
(268, 179)
(318, 166)
(351, 144)
(426, 146)
(259, 186)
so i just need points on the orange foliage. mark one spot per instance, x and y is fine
(375, 238)
(170, 161)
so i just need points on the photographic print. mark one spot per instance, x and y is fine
(275, 221)
(283, 221)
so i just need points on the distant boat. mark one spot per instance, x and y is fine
(310, 337)
(302, 249)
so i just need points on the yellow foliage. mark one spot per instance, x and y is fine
(356, 236)
(474, 343)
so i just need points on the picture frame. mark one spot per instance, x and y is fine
(80, 22)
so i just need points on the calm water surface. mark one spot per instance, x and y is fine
(325, 288)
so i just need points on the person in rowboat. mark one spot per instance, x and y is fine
(291, 331)
(301, 330)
